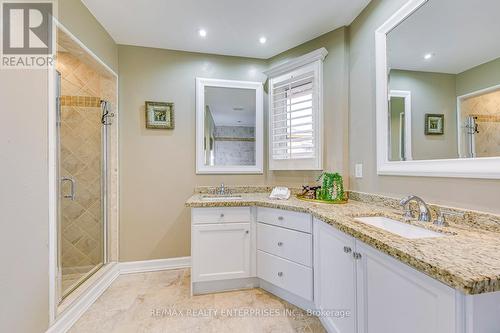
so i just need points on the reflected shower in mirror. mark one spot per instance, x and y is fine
(229, 126)
(444, 82)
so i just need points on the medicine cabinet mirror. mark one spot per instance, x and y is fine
(229, 127)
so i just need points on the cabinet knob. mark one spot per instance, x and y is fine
(347, 249)
(280, 218)
(222, 215)
(356, 255)
(247, 232)
(280, 243)
(280, 274)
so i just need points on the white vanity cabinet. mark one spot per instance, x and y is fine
(221, 243)
(335, 277)
(383, 294)
(284, 251)
(393, 297)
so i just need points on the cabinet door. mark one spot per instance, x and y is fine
(220, 251)
(334, 278)
(395, 298)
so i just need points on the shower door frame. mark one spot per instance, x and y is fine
(61, 293)
(53, 176)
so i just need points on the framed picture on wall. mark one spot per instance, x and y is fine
(159, 115)
(434, 124)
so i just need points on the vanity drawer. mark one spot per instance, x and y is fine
(220, 215)
(285, 274)
(283, 218)
(289, 244)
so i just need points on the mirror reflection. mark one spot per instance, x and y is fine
(230, 117)
(444, 82)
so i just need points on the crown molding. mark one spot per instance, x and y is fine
(308, 58)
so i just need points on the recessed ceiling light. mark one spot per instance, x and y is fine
(263, 40)
(202, 33)
(428, 56)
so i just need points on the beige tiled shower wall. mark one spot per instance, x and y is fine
(81, 159)
(486, 108)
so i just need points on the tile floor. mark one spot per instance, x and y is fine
(161, 302)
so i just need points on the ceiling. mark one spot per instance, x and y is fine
(460, 34)
(231, 106)
(233, 26)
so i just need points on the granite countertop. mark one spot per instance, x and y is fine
(468, 259)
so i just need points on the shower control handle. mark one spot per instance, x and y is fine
(72, 193)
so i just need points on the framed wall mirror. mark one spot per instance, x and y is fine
(438, 90)
(229, 127)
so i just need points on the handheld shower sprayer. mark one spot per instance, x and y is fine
(106, 115)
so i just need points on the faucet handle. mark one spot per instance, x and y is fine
(408, 215)
(441, 219)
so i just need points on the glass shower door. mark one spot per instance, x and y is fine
(82, 179)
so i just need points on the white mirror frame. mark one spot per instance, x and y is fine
(201, 168)
(484, 167)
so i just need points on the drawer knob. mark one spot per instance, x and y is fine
(280, 243)
(247, 232)
(222, 215)
(280, 218)
(280, 274)
(347, 249)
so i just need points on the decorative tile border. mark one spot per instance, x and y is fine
(82, 101)
(487, 118)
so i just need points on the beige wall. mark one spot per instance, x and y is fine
(430, 93)
(467, 193)
(77, 18)
(480, 77)
(158, 167)
(24, 284)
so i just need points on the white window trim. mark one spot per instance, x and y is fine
(314, 59)
(483, 167)
(406, 95)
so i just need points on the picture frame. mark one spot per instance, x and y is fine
(159, 115)
(434, 124)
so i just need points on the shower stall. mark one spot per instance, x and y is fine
(86, 95)
(479, 125)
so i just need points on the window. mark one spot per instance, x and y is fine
(295, 114)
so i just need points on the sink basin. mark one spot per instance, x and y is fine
(221, 197)
(399, 228)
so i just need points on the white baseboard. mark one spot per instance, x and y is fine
(74, 311)
(154, 265)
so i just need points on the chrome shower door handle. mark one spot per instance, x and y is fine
(72, 193)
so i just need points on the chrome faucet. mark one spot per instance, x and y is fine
(221, 190)
(425, 213)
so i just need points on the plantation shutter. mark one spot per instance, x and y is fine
(293, 118)
(295, 113)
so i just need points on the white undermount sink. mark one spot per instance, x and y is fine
(399, 228)
(221, 197)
